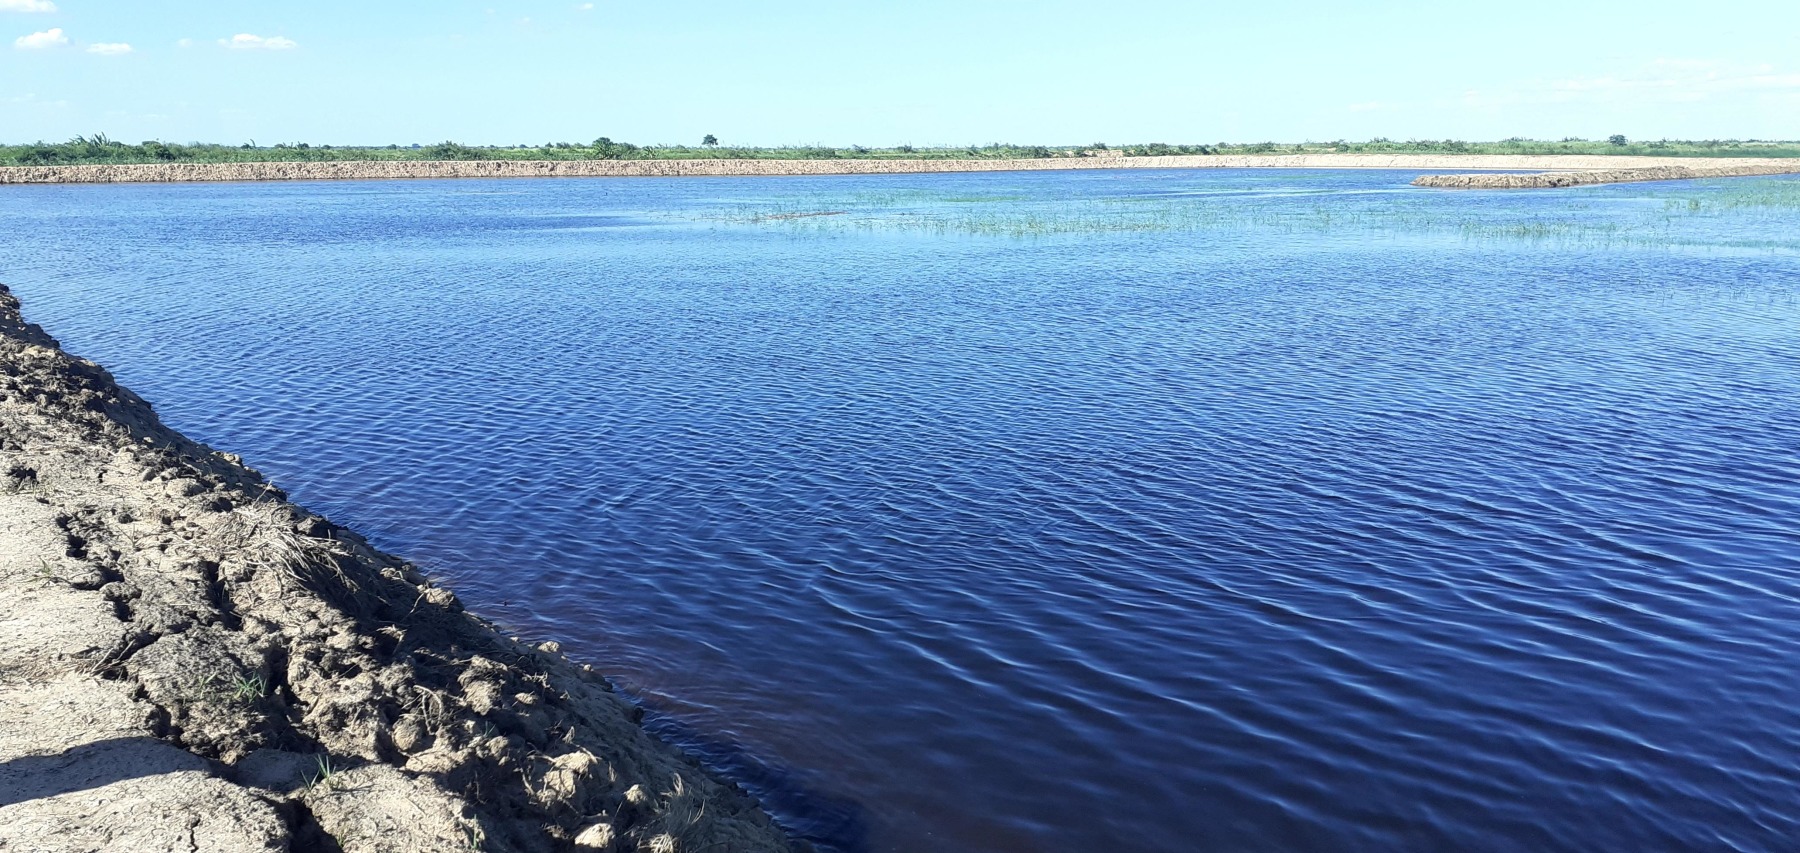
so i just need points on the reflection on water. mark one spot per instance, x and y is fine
(1059, 511)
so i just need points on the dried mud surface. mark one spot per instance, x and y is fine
(189, 662)
(373, 170)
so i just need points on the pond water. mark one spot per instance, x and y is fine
(1078, 511)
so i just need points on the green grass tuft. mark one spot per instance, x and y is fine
(323, 777)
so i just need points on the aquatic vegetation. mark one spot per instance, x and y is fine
(1733, 213)
(1729, 195)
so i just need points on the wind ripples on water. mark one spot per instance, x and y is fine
(1080, 511)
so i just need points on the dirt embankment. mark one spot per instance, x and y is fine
(1733, 169)
(370, 170)
(188, 662)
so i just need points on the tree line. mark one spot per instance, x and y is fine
(100, 149)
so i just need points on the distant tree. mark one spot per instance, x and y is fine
(710, 141)
(40, 155)
(1617, 139)
(453, 151)
(606, 149)
(159, 151)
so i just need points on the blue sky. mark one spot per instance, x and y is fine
(922, 72)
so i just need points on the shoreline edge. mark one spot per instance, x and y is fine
(189, 661)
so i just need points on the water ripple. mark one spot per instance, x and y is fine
(1148, 511)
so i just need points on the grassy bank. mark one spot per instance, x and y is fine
(100, 150)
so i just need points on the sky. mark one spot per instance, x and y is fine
(922, 72)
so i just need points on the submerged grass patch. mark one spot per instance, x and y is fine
(1740, 213)
(1727, 195)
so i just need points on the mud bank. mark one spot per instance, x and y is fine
(1735, 169)
(189, 662)
(374, 170)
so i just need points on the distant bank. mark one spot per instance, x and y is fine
(1579, 176)
(1562, 170)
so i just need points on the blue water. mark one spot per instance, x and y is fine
(1103, 511)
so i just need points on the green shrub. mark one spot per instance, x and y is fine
(453, 151)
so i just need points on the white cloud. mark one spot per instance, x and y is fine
(1683, 80)
(246, 41)
(27, 6)
(50, 38)
(110, 48)
(585, 7)
(184, 43)
(32, 101)
(1665, 81)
